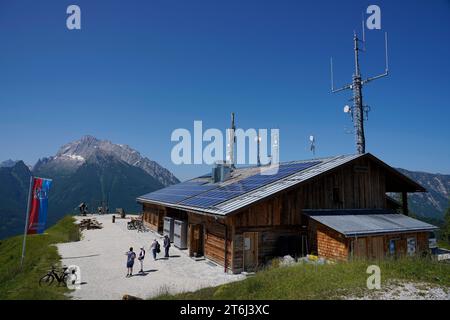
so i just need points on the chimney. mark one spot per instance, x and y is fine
(221, 172)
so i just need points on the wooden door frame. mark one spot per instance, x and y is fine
(372, 242)
(356, 245)
(255, 239)
(202, 235)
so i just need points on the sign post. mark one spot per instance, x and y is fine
(26, 221)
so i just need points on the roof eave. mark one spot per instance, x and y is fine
(180, 207)
(415, 186)
(382, 232)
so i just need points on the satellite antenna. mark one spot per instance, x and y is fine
(347, 109)
(359, 111)
(312, 147)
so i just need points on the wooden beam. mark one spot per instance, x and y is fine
(405, 203)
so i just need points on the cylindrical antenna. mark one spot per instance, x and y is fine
(363, 35)
(232, 141)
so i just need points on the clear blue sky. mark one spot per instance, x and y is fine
(140, 69)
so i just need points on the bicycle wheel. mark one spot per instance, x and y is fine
(46, 280)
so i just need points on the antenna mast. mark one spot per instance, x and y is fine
(231, 141)
(359, 111)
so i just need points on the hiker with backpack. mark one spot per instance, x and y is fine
(130, 261)
(156, 248)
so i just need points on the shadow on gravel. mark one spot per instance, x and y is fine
(88, 256)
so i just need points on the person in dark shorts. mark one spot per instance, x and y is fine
(166, 246)
(130, 261)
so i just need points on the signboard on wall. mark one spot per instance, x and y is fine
(411, 245)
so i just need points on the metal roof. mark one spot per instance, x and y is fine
(226, 207)
(361, 222)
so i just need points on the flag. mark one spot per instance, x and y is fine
(38, 205)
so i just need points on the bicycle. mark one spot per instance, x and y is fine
(62, 277)
(132, 225)
(141, 227)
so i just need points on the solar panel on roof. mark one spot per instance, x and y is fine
(199, 193)
(179, 192)
(224, 193)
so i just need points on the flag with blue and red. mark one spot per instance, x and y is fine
(38, 205)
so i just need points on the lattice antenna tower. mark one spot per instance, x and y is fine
(359, 111)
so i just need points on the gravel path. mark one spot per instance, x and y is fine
(101, 257)
(405, 290)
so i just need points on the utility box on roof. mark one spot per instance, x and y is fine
(169, 227)
(180, 234)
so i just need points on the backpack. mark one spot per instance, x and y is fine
(158, 247)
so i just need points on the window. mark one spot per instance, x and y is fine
(392, 246)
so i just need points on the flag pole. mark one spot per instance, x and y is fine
(26, 222)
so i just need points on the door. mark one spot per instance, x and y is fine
(377, 247)
(360, 248)
(196, 240)
(250, 251)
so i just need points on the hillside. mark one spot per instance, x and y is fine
(41, 254)
(433, 203)
(15, 181)
(345, 280)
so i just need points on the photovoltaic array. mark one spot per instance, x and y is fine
(180, 192)
(233, 190)
(198, 193)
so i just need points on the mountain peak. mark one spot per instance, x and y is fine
(8, 163)
(89, 139)
(74, 154)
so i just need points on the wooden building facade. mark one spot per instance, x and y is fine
(245, 235)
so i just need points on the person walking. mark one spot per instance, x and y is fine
(155, 247)
(166, 246)
(130, 261)
(141, 259)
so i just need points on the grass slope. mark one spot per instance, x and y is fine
(329, 281)
(41, 254)
(13, 198)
